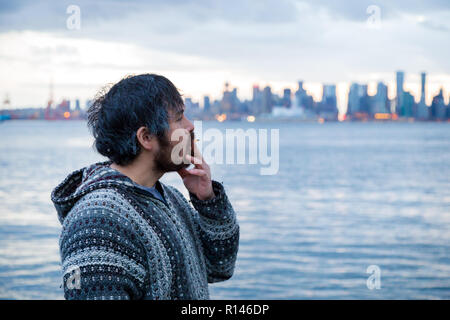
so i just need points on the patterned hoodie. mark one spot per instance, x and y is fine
(118, 241)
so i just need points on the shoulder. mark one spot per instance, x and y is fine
(97, 201)
(102, 209)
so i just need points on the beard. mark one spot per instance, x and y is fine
(163, 159)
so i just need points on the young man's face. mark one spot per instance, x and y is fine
(179, 136)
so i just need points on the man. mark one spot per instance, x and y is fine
(125, 234)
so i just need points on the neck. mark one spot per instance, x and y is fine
(140, 172)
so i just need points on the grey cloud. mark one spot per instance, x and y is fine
(356, 9)
(51, 15)
(435, 26)
(320, 39)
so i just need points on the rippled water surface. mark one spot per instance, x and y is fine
(346, 196)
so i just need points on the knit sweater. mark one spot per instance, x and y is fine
(124, 243)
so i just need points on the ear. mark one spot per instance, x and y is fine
(145, 139)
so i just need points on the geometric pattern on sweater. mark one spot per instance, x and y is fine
(124, 243)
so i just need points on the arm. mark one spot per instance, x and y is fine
(101, 257)
(219, 233)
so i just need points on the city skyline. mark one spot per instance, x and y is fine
(203, 44)
(291, 104)
(314, 89)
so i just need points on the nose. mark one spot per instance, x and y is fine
(189, 125)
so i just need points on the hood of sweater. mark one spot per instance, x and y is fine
(85, 180)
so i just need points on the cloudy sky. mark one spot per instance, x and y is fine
(200, 45)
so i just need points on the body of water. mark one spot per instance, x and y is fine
(347, 196)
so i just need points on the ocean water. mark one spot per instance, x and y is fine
(346, 196)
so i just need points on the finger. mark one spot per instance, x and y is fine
(197, 172)
(194, 160)
(197, 152)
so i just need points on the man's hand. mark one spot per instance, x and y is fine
(198, 179)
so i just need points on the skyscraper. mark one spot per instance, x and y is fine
(256, 104)
(287, 98)
(408, 104)
(422, 90)
(399, 98)
(206, 104)
(267, 100)
(380, 103)
(329, 96)
(77, 105)
(422, 108)
(303, 100)
(354, 96)
(438, 107)
(328, 106)
(227, 99)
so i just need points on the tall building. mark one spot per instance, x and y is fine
(422, 108)
(365, 101)
(267, 100)
(303, 100)
(422, 88)
(228, 99)
(355, 94)
(206, 104)
(234, 101)
(188, 103)
(216, 106)
(328, 106)
(448, 108)
(438, 107)
(77, 105)
(329, 95)
(407, 107)
(286, 101)
(380, 101)
(399, 98)
(64, 106)
(256, 103)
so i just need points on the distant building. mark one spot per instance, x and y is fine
(64, 106)
(256, 103)
(206, 104)
(422, 108)
(267, 100)
(400, 77)
(328, 106)
(423, 111)
(365, 101)
(354, 96)
(423, 76)
(235, 101)
(229, 100)
(407, 106)
(286, 101)
(380, 101)
(77, 105)
(303, 100)
(188, 103)
(438, 107)
(329, 96)
(215, 108)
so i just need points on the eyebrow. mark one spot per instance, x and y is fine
(179, 112)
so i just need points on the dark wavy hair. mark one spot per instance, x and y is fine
(135, 101)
